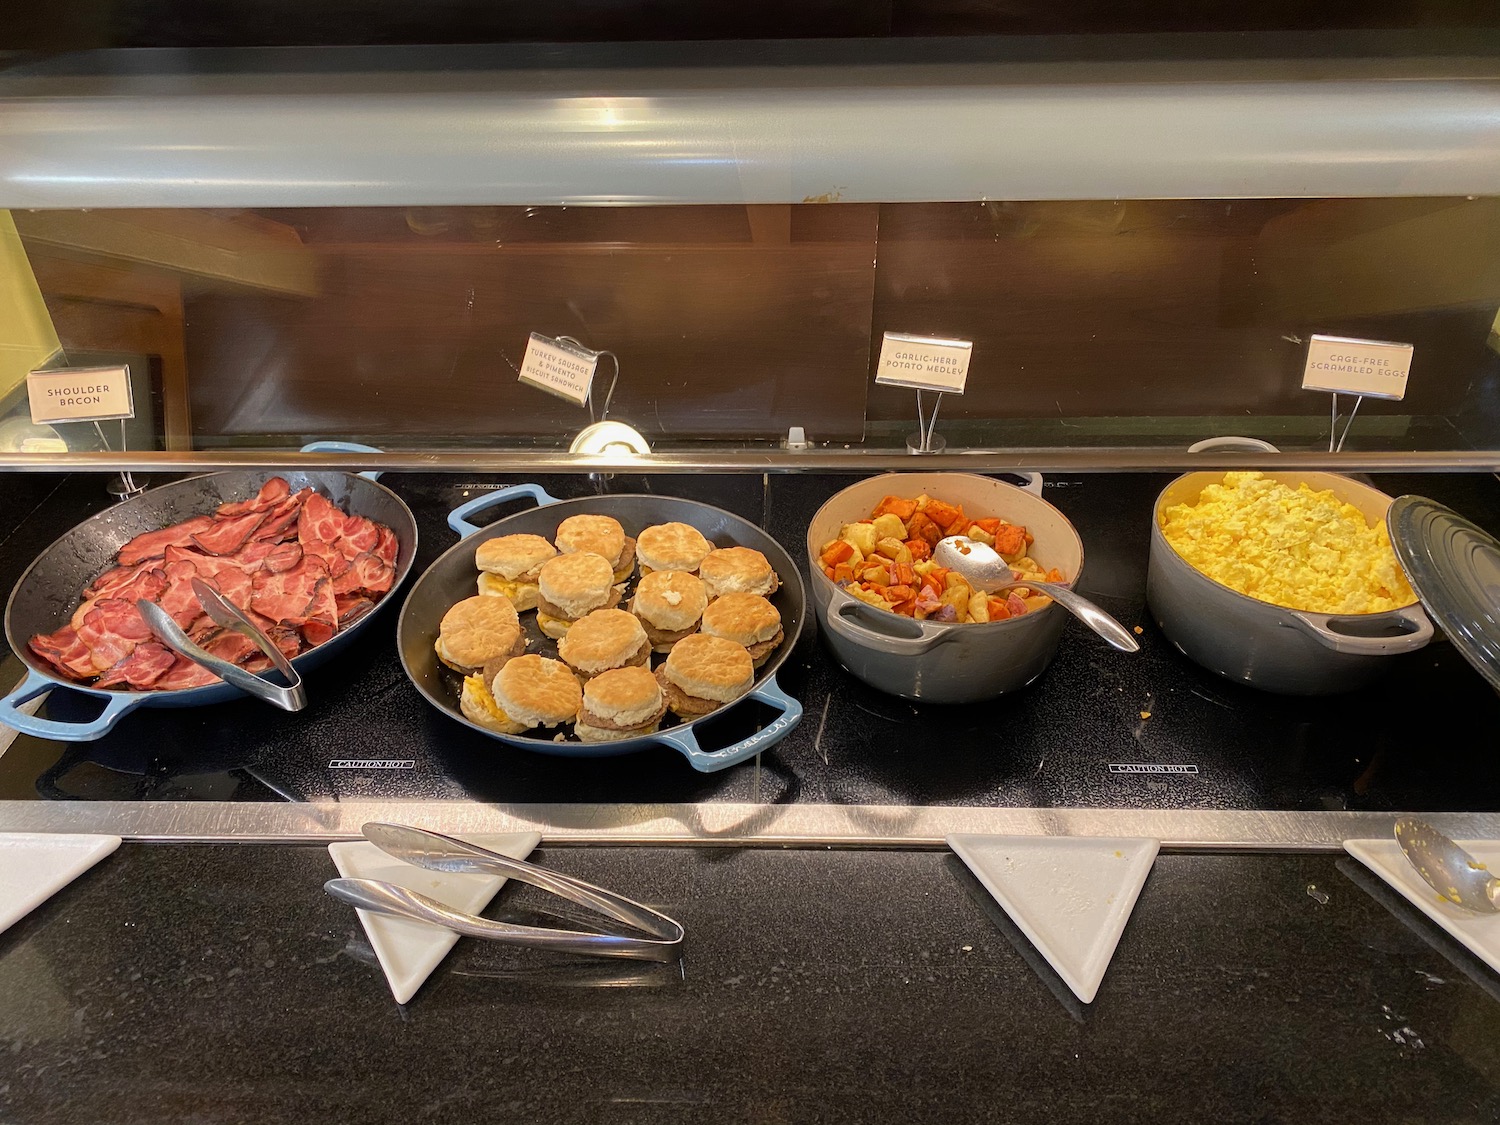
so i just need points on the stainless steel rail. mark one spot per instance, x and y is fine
(762, 461)
(715, 824)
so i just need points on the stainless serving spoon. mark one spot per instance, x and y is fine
(984, 569)
(1456, 875)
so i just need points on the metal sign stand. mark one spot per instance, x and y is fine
(124, 486)
(925, 440)
(1333, 423)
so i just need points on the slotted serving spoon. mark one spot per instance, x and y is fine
(1456, 875)
(984, 569)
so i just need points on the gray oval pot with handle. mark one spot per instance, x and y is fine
(940, 662)
(1287, 651)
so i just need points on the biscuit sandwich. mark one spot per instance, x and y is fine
(598, 535)
(479, 631)
(604, 639)
(669, 604)
(509, 566)
(745, 619)
(737, 570)
(620, 703)
(571, 586)
(671, 546)
(529, 691)
(703, 673)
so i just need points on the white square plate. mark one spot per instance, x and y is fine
(34, 866)
(1479, 933)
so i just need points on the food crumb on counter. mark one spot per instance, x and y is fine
(1138, 630)
(1145, 714)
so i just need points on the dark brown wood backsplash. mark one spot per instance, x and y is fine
(738, 322)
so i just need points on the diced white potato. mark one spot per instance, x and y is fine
(980, 535)
(893, 548)
(889, 526)
(979, 610)
(958, 598)
(861, 535)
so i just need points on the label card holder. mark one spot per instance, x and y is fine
(80, 394)
(1363, 368)
(559, 367)
(924, 363)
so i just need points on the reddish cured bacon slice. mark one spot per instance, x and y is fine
(226, 537)
(65, 652)
(283, 557)
(288, 598)
(142, 668)
(351, 608)
(185, 674)
(153, 544)
(319, 525)
(111, 630)
(110, 582)
(387, 547)
(272, 493)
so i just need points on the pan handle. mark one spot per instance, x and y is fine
(34, 684)
(708, 761)
(458, 519)
(343, 447)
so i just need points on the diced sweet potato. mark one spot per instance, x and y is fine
(999, 611)
(837, 552)
(920, 549)
(828, 570)
(901, 509)
(1010, 540)
(843, 572)
(946, 516)
(920, 527)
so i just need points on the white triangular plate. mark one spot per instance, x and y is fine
(1071, 895)
(408, 951)
(34, 866)
(1479, 933)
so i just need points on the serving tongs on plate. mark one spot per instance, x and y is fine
(437, 852)
(227, 615)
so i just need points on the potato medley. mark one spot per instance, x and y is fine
(886, 560)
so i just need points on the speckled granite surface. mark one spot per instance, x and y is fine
(220, 985)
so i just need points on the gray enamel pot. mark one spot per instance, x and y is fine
(934, 661)
(1287, 651)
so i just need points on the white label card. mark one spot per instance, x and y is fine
(80, 394)
(924, 363)
(559, 368)
(1373, 368)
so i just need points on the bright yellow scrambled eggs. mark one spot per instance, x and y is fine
(1291, 547)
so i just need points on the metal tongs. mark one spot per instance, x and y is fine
(229, 616)
(437, 852)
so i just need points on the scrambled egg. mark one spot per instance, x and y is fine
(1291, 547)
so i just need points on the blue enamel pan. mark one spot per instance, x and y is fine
(452, 578)
(48, 592)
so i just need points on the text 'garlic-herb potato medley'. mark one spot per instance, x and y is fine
(886, 561)
(1292, 547)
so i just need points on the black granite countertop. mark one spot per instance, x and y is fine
(1050, 744)
(219, 984)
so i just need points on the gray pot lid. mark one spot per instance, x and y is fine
(1453, 565)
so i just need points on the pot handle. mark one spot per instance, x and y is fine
(34, 685)
(1334, 632)
(343, 447)
(708, 761)
(458, 519)
(842, 621)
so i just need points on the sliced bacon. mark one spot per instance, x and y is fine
(272, 493)
(226, 537)
(185, 674)
(351, 608)
(298, 566)
(387, 546)
(283, 557)
(142, 668)
(153, 544)
(111, 630)
(65, 652)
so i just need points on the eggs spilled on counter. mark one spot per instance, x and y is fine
(1292, 547)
